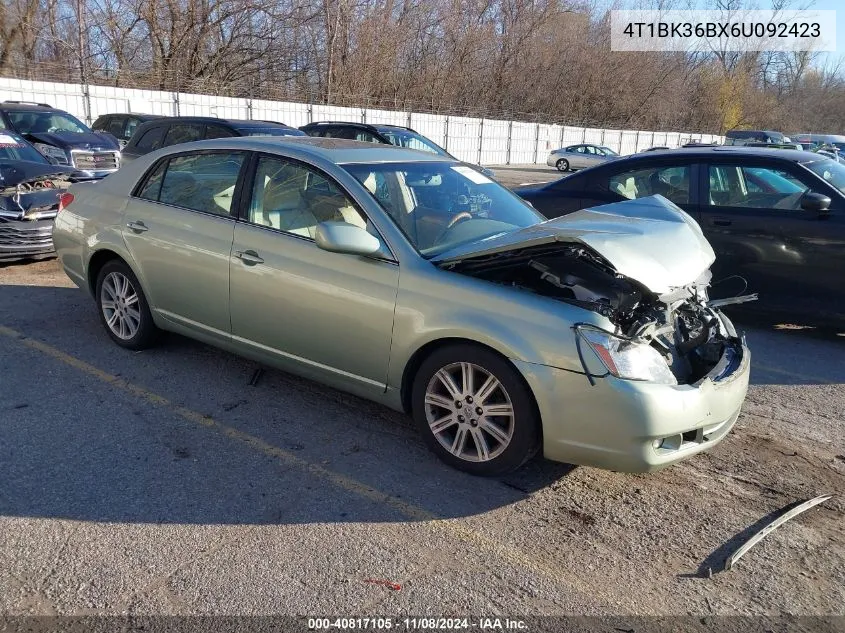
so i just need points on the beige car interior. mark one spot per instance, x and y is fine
(294, 199)
(647, 182)
(203, 183)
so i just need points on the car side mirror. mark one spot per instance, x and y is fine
(342, 237)
(812, 201)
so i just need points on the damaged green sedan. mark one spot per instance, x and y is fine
(422, 284)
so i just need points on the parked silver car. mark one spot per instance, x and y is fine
(420, 283)
(579, 156)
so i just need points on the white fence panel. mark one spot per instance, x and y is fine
(108, 99)
(464, 136)
(386, 117)
(469, 139)
(593, 136)
(494, 142)
(208, 105)
(337, 113)
(628, 142)
(293, 114)
(432, 126)
(523, 143)
(548, 139)
(67, 97)
(613, 140)
(645, 139)
(572, 136)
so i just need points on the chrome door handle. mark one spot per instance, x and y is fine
(137, 226)
(250, 258)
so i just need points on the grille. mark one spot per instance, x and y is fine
(95, 160)
(21, 234)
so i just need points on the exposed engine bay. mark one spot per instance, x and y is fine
(683, 325)
(31, 192)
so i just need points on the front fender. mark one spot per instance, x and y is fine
(438, 304)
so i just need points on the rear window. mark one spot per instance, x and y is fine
(183, 133)
(151, 139)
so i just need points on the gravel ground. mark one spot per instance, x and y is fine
(163, 483)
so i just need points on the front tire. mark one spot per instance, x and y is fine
(123, 308)
(474, 410)
(562, 165)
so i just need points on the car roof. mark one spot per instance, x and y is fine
(738, 131)
(358, 124)
(336, 150)
(25, 106)
(138, 115)
(210, 119)
(723, 151)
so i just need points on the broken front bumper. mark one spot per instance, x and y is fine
(634, 426)
(24, 239)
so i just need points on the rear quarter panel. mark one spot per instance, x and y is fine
(92, 222)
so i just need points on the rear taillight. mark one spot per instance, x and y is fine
(64, 200)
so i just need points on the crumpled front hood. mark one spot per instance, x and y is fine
(75, 140)
(649, 240)
(15, 172)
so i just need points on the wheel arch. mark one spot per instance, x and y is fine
(100, 258)
(95, 264)
(426, 350)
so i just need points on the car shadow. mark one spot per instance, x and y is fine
(186, 433)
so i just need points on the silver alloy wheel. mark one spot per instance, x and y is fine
(562, 164)
(119, 303)
(469, 412)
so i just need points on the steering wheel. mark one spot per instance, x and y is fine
(463, 216)
(457, 218)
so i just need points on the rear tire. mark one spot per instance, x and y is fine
(562, 165)
(123, 308)
(474, 410)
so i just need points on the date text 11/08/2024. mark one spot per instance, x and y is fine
(417, 624)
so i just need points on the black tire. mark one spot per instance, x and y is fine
(524, 429)
(147, 333)
(562, 165)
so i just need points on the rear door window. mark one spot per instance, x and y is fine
(218, 131)
(115, 127)
(183, 133)
(672, 182)
(201, 181)
(151, 139)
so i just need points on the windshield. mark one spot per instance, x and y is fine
(35, 122)
(12, 148)
(608, 151)
(412, 140)
(832, 171)
(270, 131)
(442, 205)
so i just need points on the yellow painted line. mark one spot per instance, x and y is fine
(450, 527)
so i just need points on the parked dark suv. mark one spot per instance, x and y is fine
(168, 131)
(62, 138)
(122, 126)
(387, 134)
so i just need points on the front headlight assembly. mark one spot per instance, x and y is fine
(52, 153)
(626, 359)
